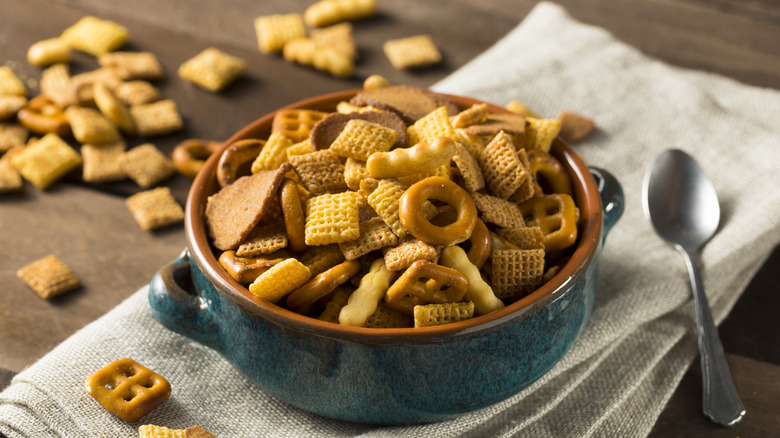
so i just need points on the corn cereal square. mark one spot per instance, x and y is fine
(516, 272)
(45, 161)
(436, 314)
(95, 36)
(474, 115)
(540, 133)
(133, 65)
(374, 235)
(157, 118)
(12, 135)
(90, 126)
(281, 279)
(103, 163)
(273, 154)
(48, 277)
(10, 179)
(430, 127)
(338, 36)
(503, 171)
(361, 138)
(152, 431)
(155, 208)
(332, 218)
(274, 31)
(146, 165)
(137, 92)
(412, 52)
(10, 84)
(321, 258)
(212, 69)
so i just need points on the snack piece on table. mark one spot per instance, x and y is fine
(412, 52)
(498, 211)
(90, 126)
(540, 133)
(42, 115)
(147, 165)
(190, 155)
(307, 51)
(112, 108)
(428, 315)
(48, 277)
(212, 69)
(374, 235)
(296, 124)
(273, 154)
(233, 212)
(10, 104)
(575, 127)
(156, 118)
(274, 31)
(155, 208)
(49, 51)
(95, 36)
(263, 240)
(103, 163)
(332, 218)
(152, 431)
(328, 129)
(281, 279)
(337, 36)
(516, 272)
(128, 389)
(137, 92)
(10, 179)
(81, 85)
(12, 135)
(55, 84)
(45, 161)
(360, 138)
(10, 84)
(409, 250)
(503, 171)
(133, 65)
(327, 12)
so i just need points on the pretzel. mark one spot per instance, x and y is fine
(296, 124)
(556, 215)
(425, 282)
(42, 116)
(364, 300)
(441, 189)
(234, 157)
(292, 210)
(421, 157)
(189, 156)
(480, 245)
(127, 389)
(549, 176)
(322, 284)
(479, 291)
(245, 270)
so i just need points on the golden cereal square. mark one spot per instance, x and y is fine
(81, 85)
(281, 279)
(95, 36)
(436, 314)
(10, 179)
(46, 160)
(133, 65)
(516, 272)
(55, 84)
(274, 31)
(146, 165)
(263, 240)
(212, 69)
(473, 115)
(384, 200)
(48, 277)
(300, 148)
(152, 431)
(155, 208)
(12, 135)
(430, 127)
(338, 36)
(332, 218)
(374, 235)
(10, 84)
(408, 251)
(469, 169)
(321, 258)
(273, 154)
(10, 104)
(137, 92)
(320, 171)
(540, 133)
(360, 138)
(103, 163)
(156, 118)
(354, 172)
(498, 211)
(412, 52)
(90, 126)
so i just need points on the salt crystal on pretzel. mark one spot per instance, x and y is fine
(540, 133)
(409, 250)
(332, 218)
(432, 126)
(273, 154)
(360, 138)
(516, 272)
(133, 65)
(147, 165)
(45, 161)
(103, 163)
(263, 240)
(280, 280)
(498, 211)
(90, 126)
(234, 211)
(412, 52)
(155, 208)
(48, 277)
(274, 31)
(320, 171)
(374, 235)
(503, 171)
(296, 124)
(429, 315)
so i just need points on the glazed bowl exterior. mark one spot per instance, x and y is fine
(384, 376)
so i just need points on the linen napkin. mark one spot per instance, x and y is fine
(640, 338)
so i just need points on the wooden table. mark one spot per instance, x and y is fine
(93, 233)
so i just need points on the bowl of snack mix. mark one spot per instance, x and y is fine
(390, 255)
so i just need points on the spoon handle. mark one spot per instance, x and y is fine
(720, 403)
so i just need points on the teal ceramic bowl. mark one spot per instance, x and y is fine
(385, 376)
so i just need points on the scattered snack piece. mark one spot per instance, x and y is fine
(45, 161)
(332, 218)
(234, 211)
(10, 104)
(412, 52)
(375, 81)
(137, 92)
(12, 135)
(263, 240)
(540, 133)
(90, 126)
(157, 118)
(296, 124)
(212, 69)
(328, 12)
(146, 165)
(360, 138)
(374, 235)
(113, 108)
(155, 208)
(10, 84)
(152, 431)
(409, 250)
(49, 51)
(133, 65)
(274, 31)
(55, 84)
(197, 432)
(42, 116)
(128, 389)
(337, 36)
(95, 36)
(307, 51)
(516, 272)
(320, 171)
(436, 314)
(575, 127)
(81, 86)
(48, 277)
(103, 163)
(280, 280)
(10, 179)
(517, 107)
(190, 155)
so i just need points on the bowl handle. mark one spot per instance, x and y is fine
(612, 200)
(176, 305)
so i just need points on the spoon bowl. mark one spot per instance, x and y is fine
(682, 205)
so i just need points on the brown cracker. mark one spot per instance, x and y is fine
(48, 277)
(498, 211)
(320, 171)
(326, 130)
(146, 165)
(408, 102)
(513, 124)
(103, 163)
(374, 235)
(408, 251)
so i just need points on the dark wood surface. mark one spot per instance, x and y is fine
(90, 228)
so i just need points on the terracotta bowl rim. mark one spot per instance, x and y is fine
(589, 240)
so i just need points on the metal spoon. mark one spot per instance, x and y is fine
(681, 203)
